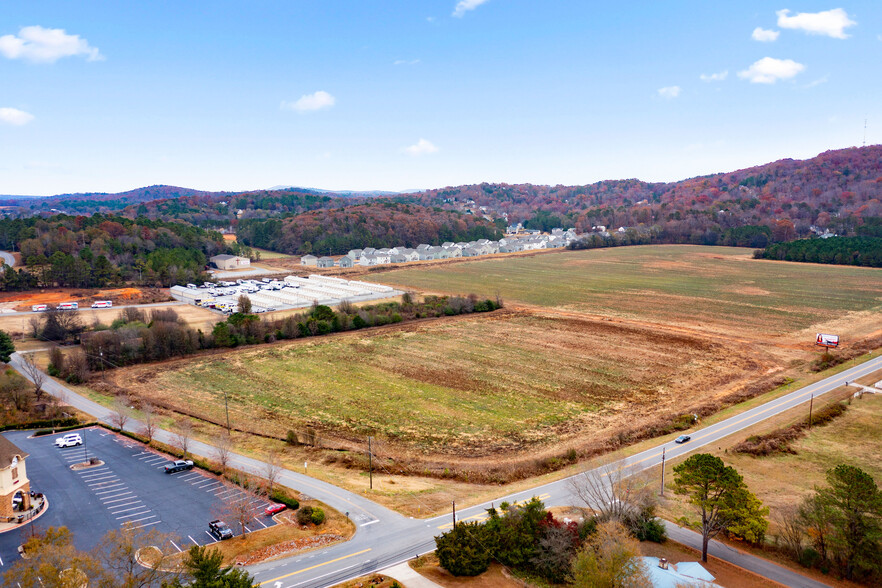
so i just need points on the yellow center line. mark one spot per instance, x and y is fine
(732, 424)
(314, 567)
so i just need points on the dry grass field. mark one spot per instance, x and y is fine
(595, 349)
(473, 387)
(717, 289)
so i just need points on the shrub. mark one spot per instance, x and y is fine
(282, 498)
(291, 438)
(318, 516)
(809, 557)
(304, 515)
(460, 550)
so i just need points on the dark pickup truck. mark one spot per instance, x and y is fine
(179, 466)
(220, 530)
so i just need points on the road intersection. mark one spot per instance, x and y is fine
(384, 538)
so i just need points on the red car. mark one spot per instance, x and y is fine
(273, 509)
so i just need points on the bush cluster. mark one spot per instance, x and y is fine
(524, 537)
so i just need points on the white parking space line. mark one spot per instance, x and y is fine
(128, 509)
(143, 509)
(261, 522)
(96, 478)
(139, 520)
(114, 490)
(219, 494)
(145, 525)
(117, 507)
(193, 540)
(213, 540)
(106, 499)
(87, 474)
(103, 482)
(210, 483)
(176, 545)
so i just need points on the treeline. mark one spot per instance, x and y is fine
(136, 337)
(104, 250)
(865, 251)
(376, 224)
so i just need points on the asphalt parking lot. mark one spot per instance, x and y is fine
(130, 487)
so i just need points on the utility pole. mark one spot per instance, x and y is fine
(371, 463)
(454, 514)
(663, 472)
(227, 408)
(811, 402)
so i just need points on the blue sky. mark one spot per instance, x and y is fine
(394, 95)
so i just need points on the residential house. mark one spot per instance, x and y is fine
(325, 262)
(310, 260)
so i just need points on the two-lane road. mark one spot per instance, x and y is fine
(384, 538)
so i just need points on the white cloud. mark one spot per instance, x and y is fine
(39, 45)
(669, 92)
(310, 102)
(769, 70)
(421, 147)
(831, 23)
(14, 116)
(406, 62)
(715, 77)
(464, 6)
(764, 35)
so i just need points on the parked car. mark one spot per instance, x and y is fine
(178, 466)
(682, 439)
(220, 530)
(69, 440)
(273, 509)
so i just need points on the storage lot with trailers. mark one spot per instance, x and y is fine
(290, 293)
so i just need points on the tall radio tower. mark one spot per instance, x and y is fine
(865, 132)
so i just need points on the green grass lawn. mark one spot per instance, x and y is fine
(712, 286)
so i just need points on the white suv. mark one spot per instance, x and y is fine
(69, 440)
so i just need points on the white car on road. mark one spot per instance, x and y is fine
(69, 440)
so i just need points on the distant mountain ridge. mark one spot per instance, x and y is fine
(835, 190)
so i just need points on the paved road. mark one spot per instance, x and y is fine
(385, 538)
(8, 259)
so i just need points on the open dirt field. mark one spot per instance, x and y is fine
(715, 289)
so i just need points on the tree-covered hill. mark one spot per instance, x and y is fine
(373, 224)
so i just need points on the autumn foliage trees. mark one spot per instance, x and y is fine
(375, 224)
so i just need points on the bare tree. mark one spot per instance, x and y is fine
(36, 325)
(238, 509)
(183, 431)
(613, 494)
(16, 390)
(123, 554)
(244, 304)
(121, 413)
(33, 371)
(223, 449)
(150, 420)
(791, 528)
(272, 469)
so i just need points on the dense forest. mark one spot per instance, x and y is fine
(374, 224)
(102, 250)
(837, 191)
(865, 251)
